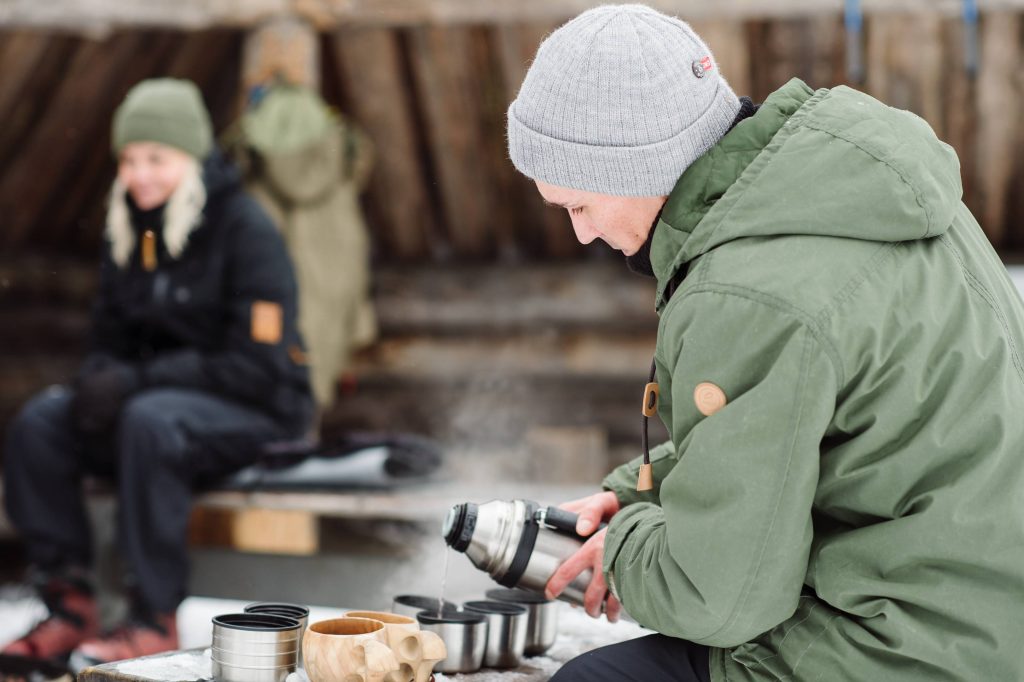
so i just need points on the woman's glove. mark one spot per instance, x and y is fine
(100, 394)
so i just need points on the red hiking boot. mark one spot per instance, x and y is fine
(73, 619)
(137, 637)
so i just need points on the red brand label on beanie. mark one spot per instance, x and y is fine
(706, 63)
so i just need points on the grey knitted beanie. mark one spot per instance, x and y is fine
(619, 101)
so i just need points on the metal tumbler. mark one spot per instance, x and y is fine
(506, 632)
(296, 611)
(464, 635)
(542, 619)
(254, 647)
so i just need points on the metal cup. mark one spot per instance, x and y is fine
(542, 618)
(411, 604)
(296, 611)
(464, 635)
(506, 632)
(254, 647)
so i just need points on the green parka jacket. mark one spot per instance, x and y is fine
(855, 510)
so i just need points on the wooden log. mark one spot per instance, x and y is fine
(371, 64)
(493, 302)
(58, 136)
(567, 454)
(46, 281)
(515, 51)
(492, 107)
(96, 17)
(727, 40)
(431, 301)
(33, 99)
(456, 361)
(904, 64)
(257, 530)
(220, 80)
(544, 230)
(30, 330)
(807, 48)
(448, 88)
(1000, 92)
(828, 51)
(421, 503)
(495, 411)
(20, 54)
(89, 171)
(960, 109)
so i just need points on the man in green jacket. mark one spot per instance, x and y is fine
(840, 371)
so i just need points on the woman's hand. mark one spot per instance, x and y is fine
(592, 511)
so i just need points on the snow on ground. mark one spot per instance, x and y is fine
(1017, 275)
(20, 608)
(187, 665)
(195, 614)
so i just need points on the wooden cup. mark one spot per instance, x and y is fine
(348, 650)
(417, 651)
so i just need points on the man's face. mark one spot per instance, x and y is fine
(151, 172)
(622, 222)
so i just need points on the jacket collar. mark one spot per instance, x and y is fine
(182, 215)
(708, 178)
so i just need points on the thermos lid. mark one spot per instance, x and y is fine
(459, 526)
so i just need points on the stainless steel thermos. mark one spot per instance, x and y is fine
(519, 543)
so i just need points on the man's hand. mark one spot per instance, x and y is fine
(592, 511)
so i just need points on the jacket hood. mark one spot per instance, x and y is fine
(307, 175)
(298, 141)
(832, 163)
(220, 175)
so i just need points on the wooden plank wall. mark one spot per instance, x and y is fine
(57, 99)
(434, 99)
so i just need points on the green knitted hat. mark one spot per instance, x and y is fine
(164, 110)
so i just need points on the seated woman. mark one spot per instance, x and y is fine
(196, 362)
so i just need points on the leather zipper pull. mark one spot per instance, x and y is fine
(651, 394)
(645, 479)
(149, 251)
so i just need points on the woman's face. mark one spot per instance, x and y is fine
(151, 172)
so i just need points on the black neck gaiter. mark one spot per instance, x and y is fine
(640, 262)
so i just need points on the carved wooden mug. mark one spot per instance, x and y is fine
(417, 651)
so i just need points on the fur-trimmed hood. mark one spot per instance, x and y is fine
(183, 214)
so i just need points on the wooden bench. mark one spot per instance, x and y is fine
(531, 373)
(289, 522)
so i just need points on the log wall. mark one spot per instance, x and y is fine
(433, 97)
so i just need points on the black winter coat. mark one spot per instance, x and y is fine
(189, 321)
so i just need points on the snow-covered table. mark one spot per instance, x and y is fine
(577, 633)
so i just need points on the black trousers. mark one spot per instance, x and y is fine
(166, 442)
(654, 658)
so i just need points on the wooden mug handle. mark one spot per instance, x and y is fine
(380, 658)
